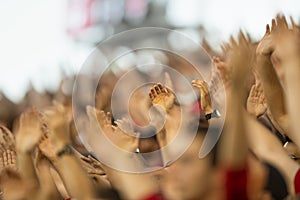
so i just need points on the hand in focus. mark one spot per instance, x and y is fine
(162, 96)
(204, 95)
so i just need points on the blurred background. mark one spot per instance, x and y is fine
(42, 42)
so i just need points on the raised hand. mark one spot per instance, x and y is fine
(274, 37)
(114, 134)
(58, 120)
(287, 40)
(295, 27)
(123, 140)
(266, 45)
(126, 126)
(7, 138)
(242, 60)
(95, 166)
(47, 148)
(204, 94)
(162, 96)
(256, 102)
(223, 69)
(29, 132)
(8, 160)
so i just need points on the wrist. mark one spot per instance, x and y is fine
(214, 114)
(24, 151)
(264, 57)
(65, 150)
(208, 110)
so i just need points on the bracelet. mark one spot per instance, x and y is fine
(214, 114)
(66, 150)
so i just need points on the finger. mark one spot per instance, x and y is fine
(233, 42)
(242, 38)
(168, 80)
(9, 158)
(274, 25)
(118, 123)
(93, 159)
(205, 87)
(252, 90)
(137, 140)
(85, 159)
(153, 92)
(281, 21)
(13, 157)
(115, 128)
(294, 25)
(102, 118)
(196, 84)
(151, 96)
(5, 159)
(162, 88)
(90, 112)
(1, 162)
(2, 148)
(158, 91)
(202, 90)
(108, 121)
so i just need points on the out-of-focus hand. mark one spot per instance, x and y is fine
(7, 139)
(114, 134)
(8, 160)
(256, 102)
(58, 120)
(47, 148)
(29, 132)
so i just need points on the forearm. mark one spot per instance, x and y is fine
(268, 148)
(27, 169)
(272, 88)
(76, 181)
(48, 187)
(292, 71)
(234, 148)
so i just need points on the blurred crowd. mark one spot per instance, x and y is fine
(43, 151)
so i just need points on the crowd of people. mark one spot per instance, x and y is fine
(256, 157)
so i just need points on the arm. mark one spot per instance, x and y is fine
(271, 85)
(288, 51)
(131, 186)
(268, 148)
(234, 140)
(48, 187)
(168, 117)
(27, 138)
(56, 147)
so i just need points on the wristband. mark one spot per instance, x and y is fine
(214, 114)
(66, 150)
